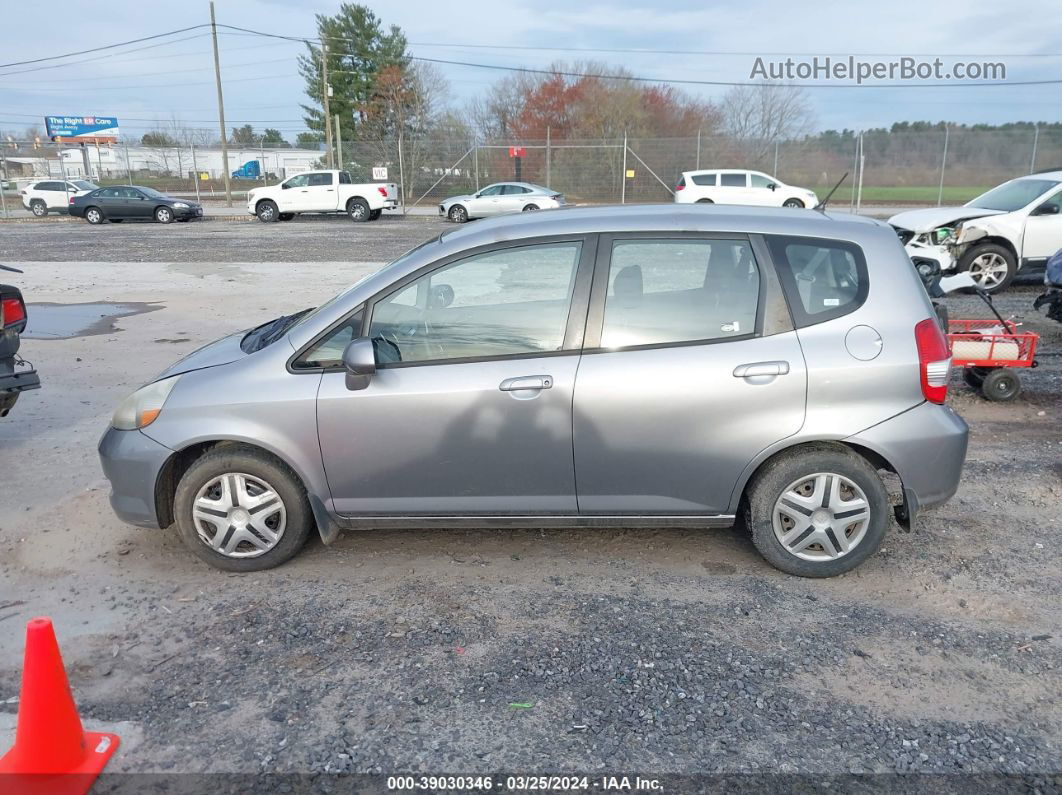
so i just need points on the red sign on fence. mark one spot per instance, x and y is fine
(517, 151)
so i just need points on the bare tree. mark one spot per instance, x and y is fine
(757, 116)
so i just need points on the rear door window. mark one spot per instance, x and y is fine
(732, 180)
(669, 291)
(823, 279)
(319, 180)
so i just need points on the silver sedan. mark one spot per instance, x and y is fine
(500, 198)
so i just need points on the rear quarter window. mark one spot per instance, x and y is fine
(823, 279)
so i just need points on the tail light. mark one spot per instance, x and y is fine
(71, 199)
(383, 190)
(681, 183)
(557, 197)
(934, 359)
(12, 312)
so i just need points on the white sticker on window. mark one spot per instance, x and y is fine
(729, 328)
(831, 301)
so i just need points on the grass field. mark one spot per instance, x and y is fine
(904, 194)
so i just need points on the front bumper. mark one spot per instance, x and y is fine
(942, 254)
(926, 446)
(131, 462)
(188, 212)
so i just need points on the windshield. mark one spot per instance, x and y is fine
(82, 184)
(1014, 195)
(339, 297)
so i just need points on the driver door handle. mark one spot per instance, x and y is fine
(754, 369)
(526, 382)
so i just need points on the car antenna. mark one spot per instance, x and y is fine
(821, 206)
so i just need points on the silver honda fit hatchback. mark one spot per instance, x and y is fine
(615, 366)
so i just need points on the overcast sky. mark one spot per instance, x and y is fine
(262, 86)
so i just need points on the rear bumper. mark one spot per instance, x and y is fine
(390, 204)
(132, 462)
(926, 446)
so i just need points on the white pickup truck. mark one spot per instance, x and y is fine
(327, 191)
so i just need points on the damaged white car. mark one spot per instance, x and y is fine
(1015, 225)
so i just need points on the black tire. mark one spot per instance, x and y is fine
(38, 208)
(375, 214)
(458, 214)
(776, 475)
(257, 464)
(705, 201)
(794, 204)
(286, 216)
(267, 211)
(94, 215)
(164, 215)
(974, 376)
(530, 208)
(358, 210)
(970, 260)
(115, 220)
(1001, 385)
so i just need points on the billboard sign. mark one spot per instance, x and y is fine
(100, 129)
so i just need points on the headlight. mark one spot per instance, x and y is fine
(180, 205)
(142, 407)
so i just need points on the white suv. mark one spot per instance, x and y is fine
(53, 195)
(1014, 226)
(734, 186)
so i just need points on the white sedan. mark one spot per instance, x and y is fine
(736, 186)
(499, 198)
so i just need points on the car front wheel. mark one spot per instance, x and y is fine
(817, 511)
(163, 215)
(991, 266)
(458, 214)
(267, 211)
(239, 509)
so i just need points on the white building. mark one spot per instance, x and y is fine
(117, 161)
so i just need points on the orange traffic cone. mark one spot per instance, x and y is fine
(52, 754)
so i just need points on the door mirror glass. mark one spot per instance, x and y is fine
(359, 360)
(772, 185)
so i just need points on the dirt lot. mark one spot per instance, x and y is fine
(597, 651)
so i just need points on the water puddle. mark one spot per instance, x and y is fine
(66, 321)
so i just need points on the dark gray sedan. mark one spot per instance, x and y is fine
(133, 202)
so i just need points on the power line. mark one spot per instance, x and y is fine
(639, 79)
(105, 47)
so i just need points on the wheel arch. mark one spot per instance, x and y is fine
(873, 457)
(177, 464)
(997, 240)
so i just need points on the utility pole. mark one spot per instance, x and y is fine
(623, 176)
(221, 110)
(327, 89)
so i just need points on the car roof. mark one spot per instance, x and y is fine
(1042, 175)
(659, 218)
(514, 182)
(724, 171)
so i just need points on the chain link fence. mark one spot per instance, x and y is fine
(925, 167)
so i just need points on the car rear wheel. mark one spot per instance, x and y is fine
(991, 266)
(530, 208)
(358, 210)
(817, 511)
(267, 211)
(458, 214)
(94, 215)
(795, 204)
(163, 215)
(705, 201)
(38, 208)
(239, 509)
(1001, 385)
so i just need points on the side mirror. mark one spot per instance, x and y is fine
(359, 359)
(772, 185)
(285, 186)
(1046, 209)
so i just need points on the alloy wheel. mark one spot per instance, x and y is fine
(93, 216)
(989, 270)
(821, 517)
(239, 515)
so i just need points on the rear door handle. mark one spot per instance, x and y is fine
(526, 382)
(753, 369)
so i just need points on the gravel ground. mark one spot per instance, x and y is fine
(594, 651)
